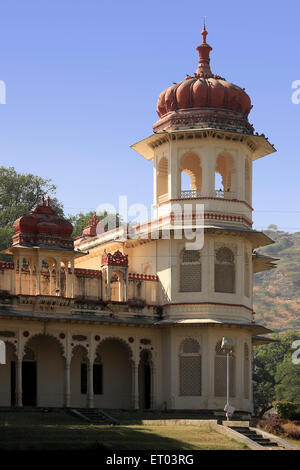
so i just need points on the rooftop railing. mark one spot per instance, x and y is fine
(193, 193)
(225, 194)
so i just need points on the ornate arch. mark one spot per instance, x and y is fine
(49, 336)
(80, 347)
(148, 356)
(118, 339)
(10, 342)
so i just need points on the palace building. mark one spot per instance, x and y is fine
(111, 321)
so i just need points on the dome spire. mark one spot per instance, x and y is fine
(203, 69)
(204, 33)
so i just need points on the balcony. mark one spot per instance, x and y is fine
(193, 193)
(225, 194)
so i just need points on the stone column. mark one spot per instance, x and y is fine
(90, 384)
(19, 390)
(38, 277)
(153, 387)
(72, 278)
(126, 287)
(135, 386)
(67, 383)
(57, 285)
(20, 273)
(108, 284)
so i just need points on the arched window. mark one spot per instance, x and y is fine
(247, 276)
(190, 368)
(246, 372)
(190, 271)
(191, 166)
(224, 271)
(225, 177)
(221, 372)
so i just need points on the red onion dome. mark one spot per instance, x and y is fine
(204, 100)
(25, 224)
(43, 226)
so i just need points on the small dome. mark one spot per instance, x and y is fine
(43, 226)
(204, 100)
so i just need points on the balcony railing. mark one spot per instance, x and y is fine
(190, 194)
(225, 194)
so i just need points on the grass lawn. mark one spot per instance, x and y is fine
(28, 430)
(294, 442)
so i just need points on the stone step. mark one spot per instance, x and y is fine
(254, 436)
(93, 415)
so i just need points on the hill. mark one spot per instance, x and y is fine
(277, 292)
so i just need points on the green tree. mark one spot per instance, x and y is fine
(19, 194)
(266, 363)
(287, 379)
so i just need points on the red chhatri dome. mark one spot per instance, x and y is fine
(91, 229)
(204, 100)
(43, 226)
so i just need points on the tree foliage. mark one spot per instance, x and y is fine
(19, 194)
(274, 374)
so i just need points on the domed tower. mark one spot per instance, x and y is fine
(203, 148)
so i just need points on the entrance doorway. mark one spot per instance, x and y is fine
(13, 383)
(29, 383)
(145, 380)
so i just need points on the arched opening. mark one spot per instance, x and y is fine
(162, 180)
(246, 372)
(78, 376)
(145, 379)
(221, 372)
(191, 176)
(8, 376)
(225, 177)
(44, 371)
(29, 378)
(117, 286)
(247, 182)
(190, 368)
(190, 271)
(117, 374)
(224, 271)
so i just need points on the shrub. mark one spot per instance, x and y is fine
(285, 408)
(281, 427)
(273, 426)
(291, 430)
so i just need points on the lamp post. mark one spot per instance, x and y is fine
(227, 346)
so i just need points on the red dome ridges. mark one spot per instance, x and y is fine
(91, 229)
(201, 92)
(43, 226)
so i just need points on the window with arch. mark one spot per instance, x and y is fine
(190, 368)
(246, 372)
(221, 372)
(225, 177)
(224, 270)
(247, 275)
(190, 271)
(191, 176)
(97, 376)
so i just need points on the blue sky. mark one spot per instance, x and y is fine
(83, 78)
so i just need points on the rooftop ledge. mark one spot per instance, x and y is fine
(258, 144)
